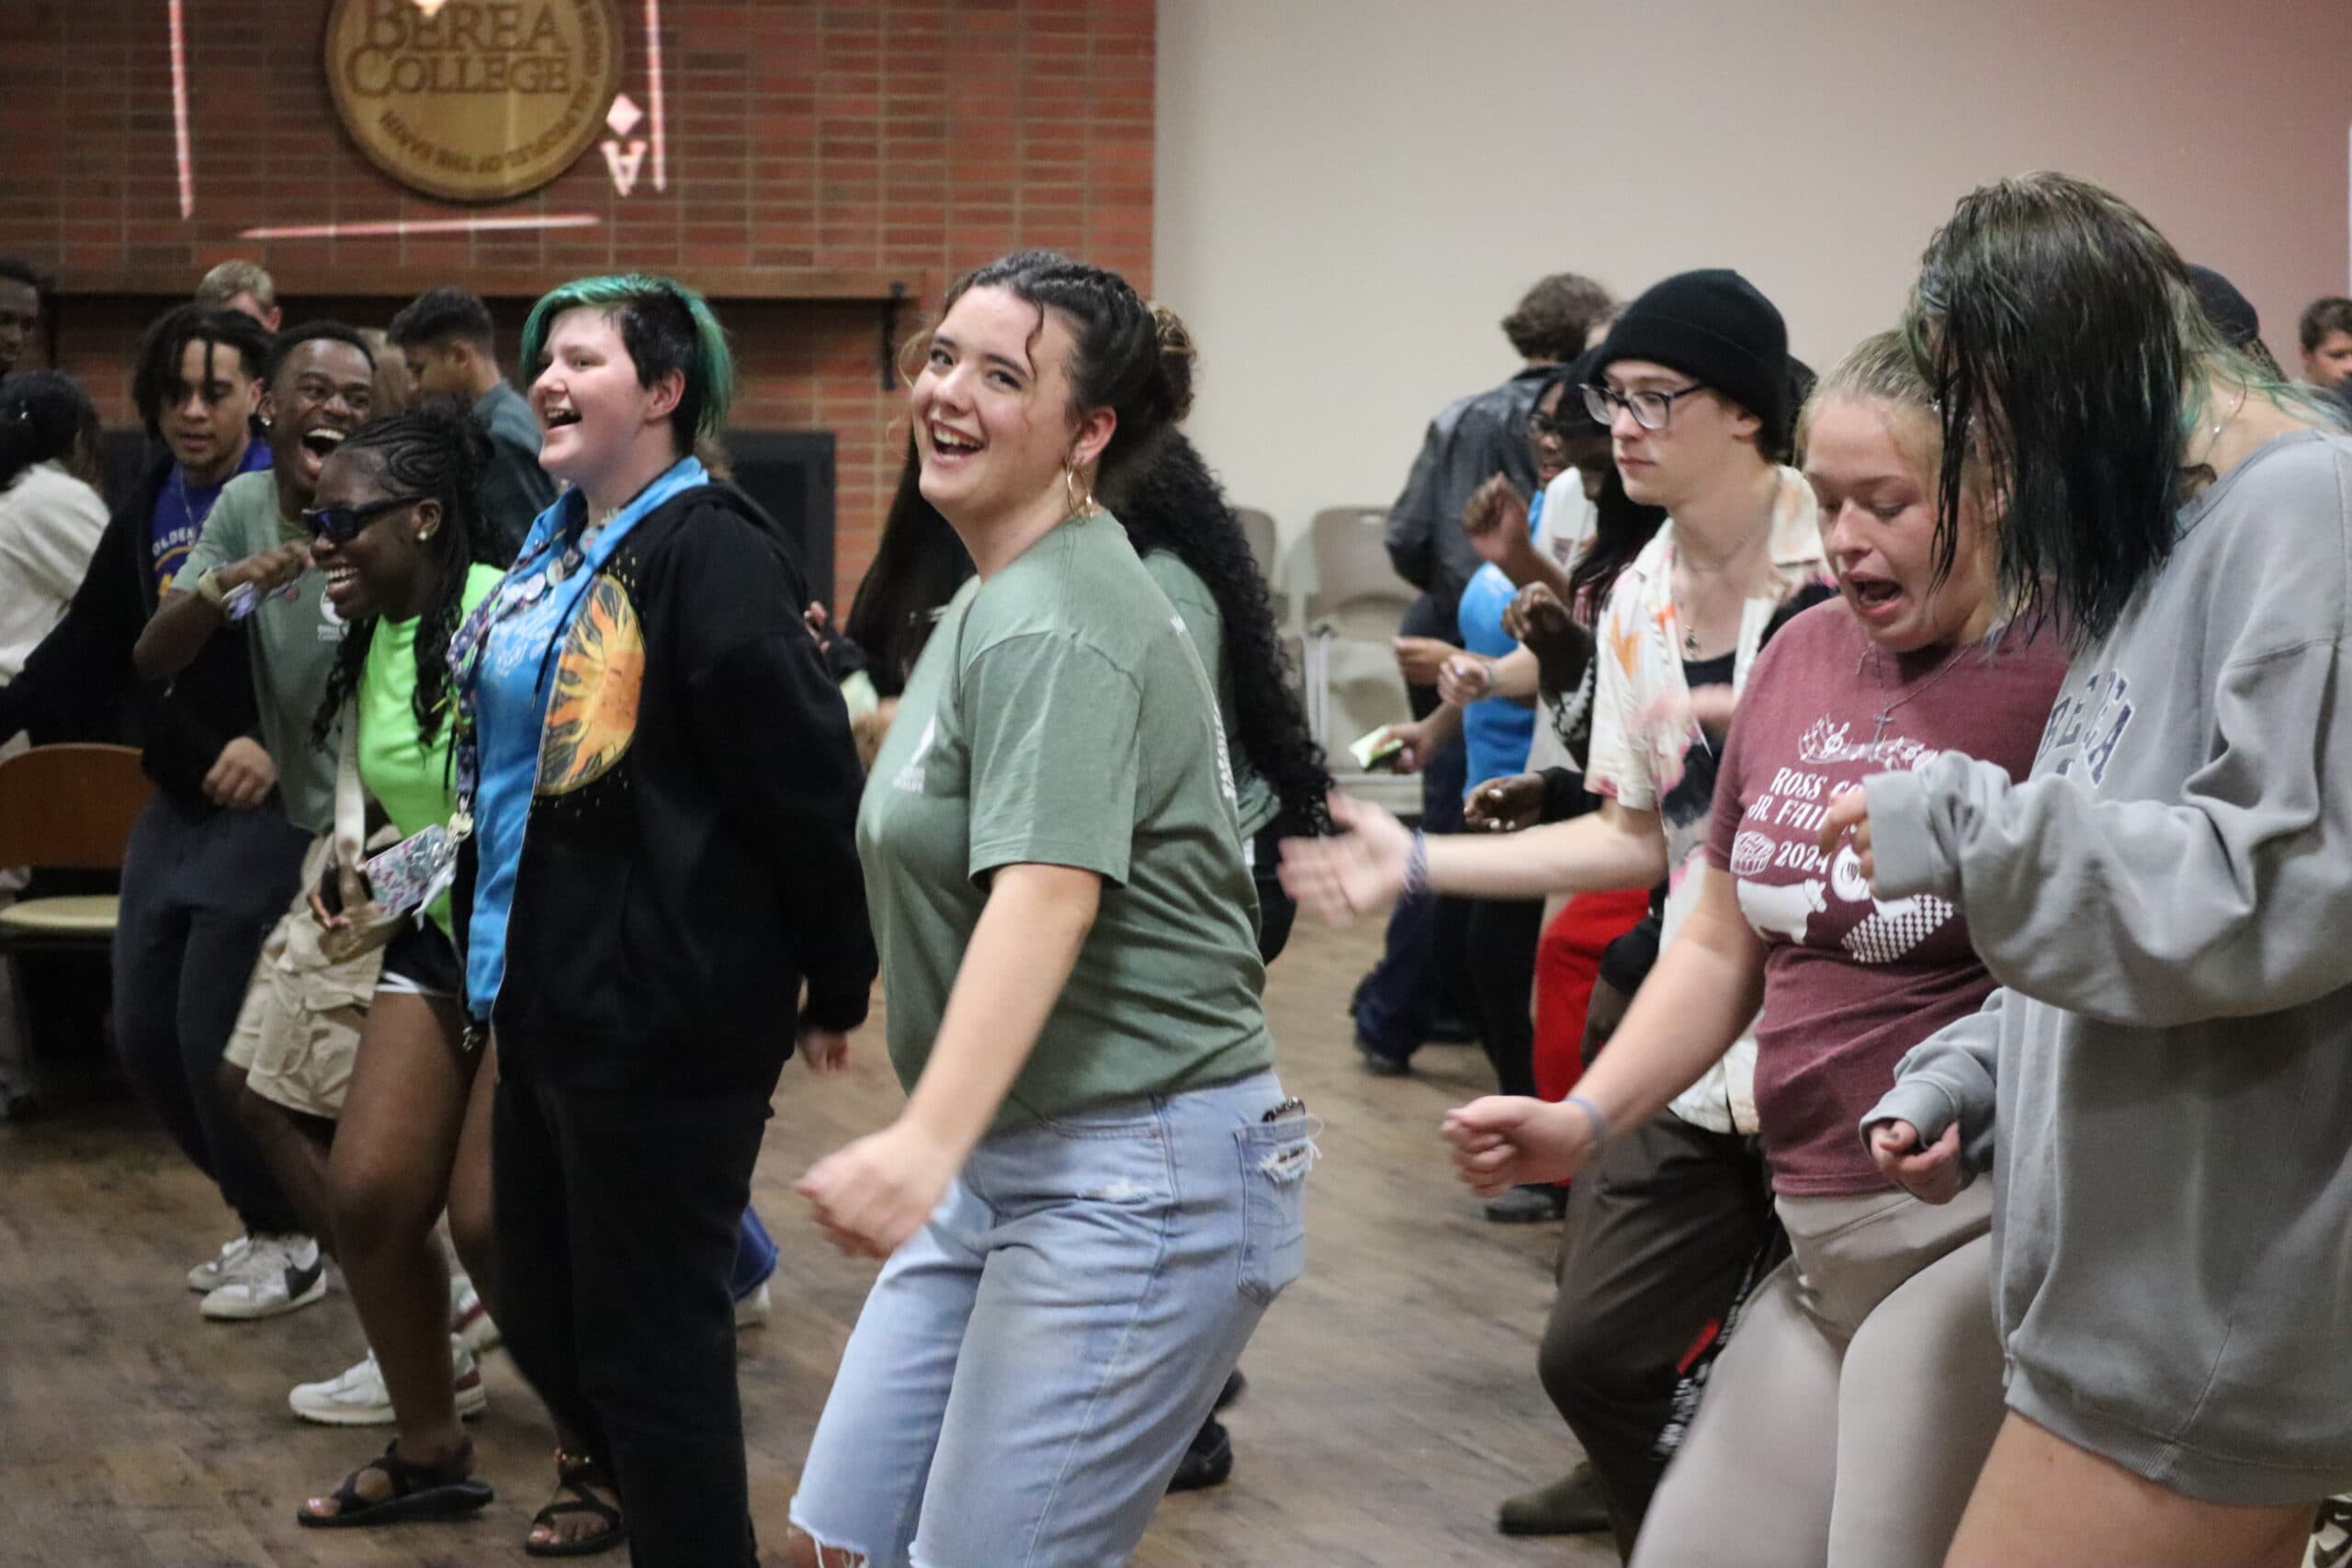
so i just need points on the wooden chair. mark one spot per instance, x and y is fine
(62, 809)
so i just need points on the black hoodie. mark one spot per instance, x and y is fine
(79, 683)
(692, 858)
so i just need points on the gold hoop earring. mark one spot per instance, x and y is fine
(1081, 502)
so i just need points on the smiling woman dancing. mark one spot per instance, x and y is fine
(1097, 1185)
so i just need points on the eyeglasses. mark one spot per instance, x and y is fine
(341, 524)
(1650, 410)
(1552, 427)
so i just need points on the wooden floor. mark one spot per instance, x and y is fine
(1393, 1397)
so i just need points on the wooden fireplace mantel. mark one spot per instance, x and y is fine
(369, 277)
(886, 289)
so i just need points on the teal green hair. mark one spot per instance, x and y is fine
(665, 326)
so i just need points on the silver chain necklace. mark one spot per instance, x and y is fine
(1888, 702)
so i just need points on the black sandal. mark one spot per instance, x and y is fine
(444, 1491)
(576, 1475)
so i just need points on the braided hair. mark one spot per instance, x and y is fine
(1177, 505)
(436, 451)
(1132, 359)
(44, 416)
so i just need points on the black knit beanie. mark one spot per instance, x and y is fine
(1716, 329)
(2230, 311)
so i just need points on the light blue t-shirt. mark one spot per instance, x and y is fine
(1496, 732)
(511, 692)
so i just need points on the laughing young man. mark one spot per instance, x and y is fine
(450, 344)
(253, 546)
(212, 859)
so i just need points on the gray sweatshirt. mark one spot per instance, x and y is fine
(2162, 1089)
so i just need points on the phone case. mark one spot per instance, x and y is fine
(412, 871)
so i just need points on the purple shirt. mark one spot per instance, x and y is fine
(1850, 982)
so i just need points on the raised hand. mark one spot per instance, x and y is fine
(1419, 659)
(1505, 1141)
(1849, 822)
(1506, 806)
(269, 571)
(1358, 871)
(1931, 1174)
(1464, 678)
(1537, 618)
(1494, 517)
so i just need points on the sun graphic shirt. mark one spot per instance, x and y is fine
(1852, 982)
(556, 695)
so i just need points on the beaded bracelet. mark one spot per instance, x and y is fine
(1416, 866)
(1592, 1114)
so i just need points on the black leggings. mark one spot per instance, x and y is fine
(201, 889)
(617, 1220)
(1502, 934)
(1276, 910)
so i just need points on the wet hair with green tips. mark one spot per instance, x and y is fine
(2067, 349)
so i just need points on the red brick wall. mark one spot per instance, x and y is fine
(830, 145)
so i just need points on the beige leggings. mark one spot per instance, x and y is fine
(1846, 1421)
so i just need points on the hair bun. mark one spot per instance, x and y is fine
(1177, 358)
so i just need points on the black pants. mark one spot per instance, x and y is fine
(617, 1216)
(201, 889)
(1661, 1231)
(1277, 910)
(1500, 952)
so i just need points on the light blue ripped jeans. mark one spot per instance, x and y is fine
(1028, 1369)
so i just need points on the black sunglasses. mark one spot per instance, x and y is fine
(341, 524)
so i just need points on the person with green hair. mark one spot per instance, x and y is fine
(662, 790)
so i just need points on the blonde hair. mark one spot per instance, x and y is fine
(1880, 369)
(233, 277)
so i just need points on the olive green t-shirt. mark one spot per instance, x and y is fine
(1062, 715)
(1258, 804)
(291, 640)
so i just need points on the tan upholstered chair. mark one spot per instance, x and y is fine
(1257, 527)
(1352, 612)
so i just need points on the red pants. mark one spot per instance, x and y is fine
(1567, 962)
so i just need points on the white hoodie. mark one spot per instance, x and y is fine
(50, 523)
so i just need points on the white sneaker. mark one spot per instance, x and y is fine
(358, 1398)
(753, 1309)
(469, 1319)
(276, 1274)
(209, 1275)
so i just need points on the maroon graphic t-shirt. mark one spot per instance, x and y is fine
(1851, 983)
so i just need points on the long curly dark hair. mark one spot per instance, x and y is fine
(1176, 504)
(918, 565)
(433, 450)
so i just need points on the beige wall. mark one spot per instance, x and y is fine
(1352, 192)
